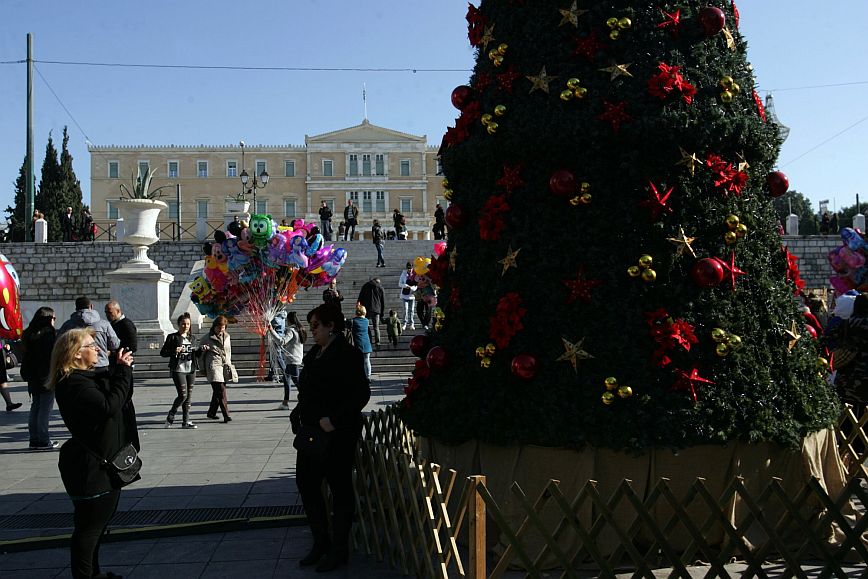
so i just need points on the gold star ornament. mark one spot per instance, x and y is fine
(793, 335)
(487, 36)
(573, 353)
(617, 70)
(571, 14)
(509, 260)
(541, 81)
(682, 242)
(689, 160)
(453, 257)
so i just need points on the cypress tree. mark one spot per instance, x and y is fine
(48, 191)
(15, 214)
(70, 187)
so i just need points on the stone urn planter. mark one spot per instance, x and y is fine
(140, 225)
(236, 206)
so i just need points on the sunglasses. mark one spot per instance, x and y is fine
(92, 346)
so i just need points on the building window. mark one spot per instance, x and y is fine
(144, 167)
(111, 210)
(260, 167)
(328, 168)
(113, 169)
(289, 208)
(380, 201)
(262, 206)
(173, 169)
(367, 206)
(439, 164)
(354, 197)
(405, 167)
(380, 167)
(231, 168)
(289, 168)
(173, 210)
(366, 165)
(406, 205)
(354, 166)
(330, 203)
(202, 168)
(202, 208)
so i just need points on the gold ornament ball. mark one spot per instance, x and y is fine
(585, 187)
(480, 352)
(822, 362)
(624, 23)
(485, 362)
(741, 230)
(615, 35)
(607, 398)
(646, 260)
(585, 198)
(735, 88)
(485, 119)
(576, 201)
(498, 61)
(448, 194)
(501, 49)
(726, 82)
(611, 383)
(726, 97)
(718, 335)
(649, 275)
(730, 237)
(634, 271)
(490, 349)
(491, 127)
(566, 95)
(500, 110)
(445, 182)
(732, 221)
(492, 54)
(625, 391)
(722, 350)
(612, 22)
(573, 83)
(580, 92)
(735, 341)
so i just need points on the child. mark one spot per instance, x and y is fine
(393, 328)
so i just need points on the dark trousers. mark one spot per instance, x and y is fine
(40, 416)
(337, 470)
(350, 234)
(91, 518)
(374, 328)
(218, 400)
(291, 372)
(184, 387)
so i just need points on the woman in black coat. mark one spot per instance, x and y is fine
(332, 392)
(183, 355)
(98, 411)
(37, 342)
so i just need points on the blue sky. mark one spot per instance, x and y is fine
(792, 44)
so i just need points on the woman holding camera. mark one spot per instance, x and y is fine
(182, 356)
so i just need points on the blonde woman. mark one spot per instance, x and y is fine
(217, 346)
(97, 409)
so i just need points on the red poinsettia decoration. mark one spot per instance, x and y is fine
(689, 381)
(669, 334)
(506, 321)
(511, 178)
(793, 273)
(726, 177)
(475, 25)
(759, 106)
(491, 222)
(670, 81)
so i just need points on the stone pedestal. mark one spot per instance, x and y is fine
(792, 224)
(142, 290)
(859, 222)
(40, 231)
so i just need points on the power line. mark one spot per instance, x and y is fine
(809, 87)
(252, 68)
(60, 102)
(815, 147)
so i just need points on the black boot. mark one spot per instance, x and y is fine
(320, 547)
(333, 559)
(339, 553)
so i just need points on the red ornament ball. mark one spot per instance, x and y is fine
(778, 183)
(437, 358)
(524, 366)
(422, 374)
(456, 216)
(419, 345)
(707, 272)
(562, 183)
(712, 20)
(461, 96)
(811, 330)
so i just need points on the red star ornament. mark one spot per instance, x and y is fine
(580, 288)
(506, 78)
(588, 46)
(655, 203)
(730, 270)
(615, 114)
(511, 177)
(685, 381)
(672, 22)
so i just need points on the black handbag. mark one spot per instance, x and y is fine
(311, 441)
(123, 467)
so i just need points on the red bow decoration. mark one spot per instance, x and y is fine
(506, 322)
(491, 222)
(655, 203)
(685, 381)
(669, 335)
(669, 81)
(793, 273)
(726, 177)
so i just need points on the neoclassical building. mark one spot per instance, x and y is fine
(379, 169)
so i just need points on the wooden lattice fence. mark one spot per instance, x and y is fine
(431, 521)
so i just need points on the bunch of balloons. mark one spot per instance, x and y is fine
(849, 262)
(426, 288)
(11, 322)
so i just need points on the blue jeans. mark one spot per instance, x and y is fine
(290, 372)
(409, 307)
(380, 260)
(40, 412)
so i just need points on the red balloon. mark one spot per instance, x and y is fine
(778, 183)
(437, 358)
(524, 366)
(420, 364)
(707, 272)
(712, 20)
(456, 216)
(461, 96)
(11, 322)
(419, 345)
(562, 183)
(811, 330)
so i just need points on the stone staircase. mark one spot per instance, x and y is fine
(387, 363)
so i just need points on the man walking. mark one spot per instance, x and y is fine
(105, 338)
(374, 299)
(351, 217)
(123, 326)
(325, 220)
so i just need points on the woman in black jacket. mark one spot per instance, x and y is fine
(98, 411)
(332, 392)
(182, 355)
(37, 342)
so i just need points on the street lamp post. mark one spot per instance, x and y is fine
(254, 184)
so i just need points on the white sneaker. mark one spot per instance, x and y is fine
(404, 327)
(283, 406)
(412, 327)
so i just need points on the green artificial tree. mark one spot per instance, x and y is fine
(613, 274)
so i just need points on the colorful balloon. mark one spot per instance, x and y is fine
(11, 323)
(439, 248)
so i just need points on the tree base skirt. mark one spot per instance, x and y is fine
(533, 466)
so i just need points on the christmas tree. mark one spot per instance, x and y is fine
(613, 274)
